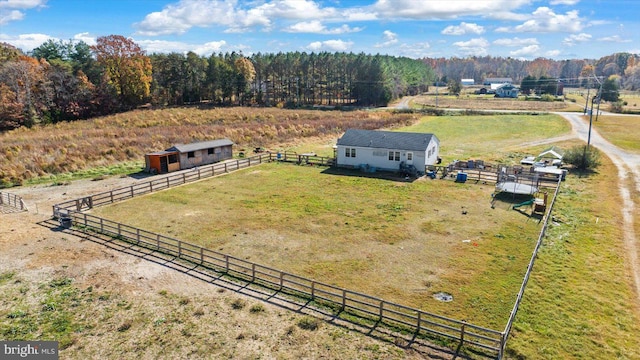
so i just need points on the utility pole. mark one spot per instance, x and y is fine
(586, 104)
(586, 148)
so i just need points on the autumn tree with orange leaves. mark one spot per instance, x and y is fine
(126, 68)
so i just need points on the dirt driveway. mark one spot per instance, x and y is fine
(628, 165)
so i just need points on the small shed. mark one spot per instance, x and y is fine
(185, 156)
(162, 162)
(387, 150)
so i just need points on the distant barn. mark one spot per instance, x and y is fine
(185, 156)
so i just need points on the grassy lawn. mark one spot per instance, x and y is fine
(401, 241)
(491, 138)
(580, 302)
(622, 131)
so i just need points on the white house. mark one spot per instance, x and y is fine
(387, 150)
(507, 91)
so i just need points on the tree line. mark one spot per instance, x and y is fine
(60, 81)
(622, 68)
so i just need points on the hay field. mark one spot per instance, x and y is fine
(401, 241)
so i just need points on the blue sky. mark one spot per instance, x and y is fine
(524, 29)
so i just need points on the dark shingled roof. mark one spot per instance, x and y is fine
(386, 139)
(200, 145)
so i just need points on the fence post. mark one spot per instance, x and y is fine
(344, 299)
(253, 272)
(226, 262)
(131, 187)
(179, 248)
(168, 182)
(150, 186)
(198, 173)
(381, 309)
(184, 178)
(201, 255)
(462, 332)
(101, 224)
(281, 279)
(158, 240)
(419, 322)
(313, 290)
(111, 192)
(138, 236)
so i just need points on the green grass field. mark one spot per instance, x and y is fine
(401, 241)
(622, 131)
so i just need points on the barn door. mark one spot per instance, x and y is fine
(164, 166)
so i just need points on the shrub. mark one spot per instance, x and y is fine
(582, 158)
(257, 308)
(238, 304)
(309, 323)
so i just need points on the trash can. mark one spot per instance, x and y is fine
(462, 177)
(65, 222)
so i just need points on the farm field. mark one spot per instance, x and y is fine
(488, 102)
(579, 302)
(622, 131)
(401, 241)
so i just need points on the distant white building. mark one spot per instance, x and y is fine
(507, 91)
(387, 150)
(467, 82)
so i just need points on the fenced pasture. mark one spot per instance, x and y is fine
(395, 240)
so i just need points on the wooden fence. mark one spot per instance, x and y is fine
(414, 321)
(516, 305)
(367, 307)
(157, 184)
(12, 200)
(493, 175)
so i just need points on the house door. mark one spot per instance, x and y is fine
(164, 165)
(409, 158)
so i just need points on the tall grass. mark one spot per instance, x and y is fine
(102, 142)
(622, 131)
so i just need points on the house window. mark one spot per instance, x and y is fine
(210, 151)
(350, 152)
(394, 155)
(173, 158)
(191, 154)
(409, 156)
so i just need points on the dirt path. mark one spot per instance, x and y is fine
(628, 165)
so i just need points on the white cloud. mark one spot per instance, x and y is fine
(573, 39)
(463, 29)
(86, 37)
(22, 4)
(13, 10)
(527, 51)
(27, 42)
(390, 38)
(316, 27)
(476, 47)
(415, 50)
(552, 53)
(563, 2)
(614, 38)
(516, 41)
(423, 10)
(9, 16)
(545, 20)
(162, 46)
(330, 45)
(179, 17)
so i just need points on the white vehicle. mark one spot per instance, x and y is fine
(529, 160)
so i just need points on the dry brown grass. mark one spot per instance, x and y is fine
(488, 102)
(70, 147)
